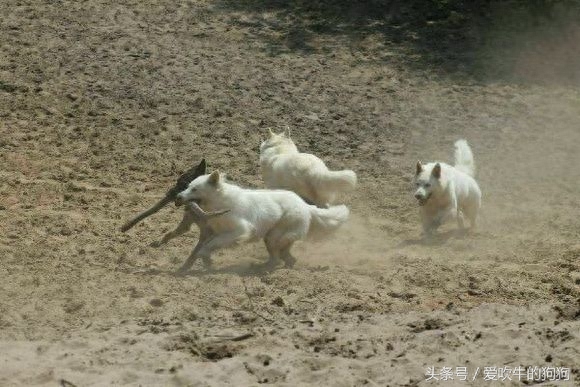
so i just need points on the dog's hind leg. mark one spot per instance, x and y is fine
(272, 245)
(280, 239)
(460, 222)
(454, 210)
(273, 255)
(278, 245)
(320, 201)
(314, 196)
(324, 198)
(288, 258)
(219, 241)
(471, 214)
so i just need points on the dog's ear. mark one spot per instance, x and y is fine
(287, 132)
(270, 131)
(201, 167)
(214, 178)
(419, 167)
(436, 172)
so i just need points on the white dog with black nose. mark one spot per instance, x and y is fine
(279, 217)
(446, 192)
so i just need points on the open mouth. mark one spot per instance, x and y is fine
(179, 201)
(423, 201)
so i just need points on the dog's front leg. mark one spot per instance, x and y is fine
(184, 226)
(460, 222)
(438, 220)
(427, 222)
(433, 222)
(444, 215)
(205, 235)
(450, 211)
(454, 208)
(220, 241)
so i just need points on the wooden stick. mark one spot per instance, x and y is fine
(159, 205)
(181, 184)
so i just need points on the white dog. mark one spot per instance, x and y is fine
(285, 168)
(445, 191)
(279, 217)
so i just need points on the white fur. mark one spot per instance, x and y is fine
(284, 167)
(451, 194)
(464, 158)
(279, 217)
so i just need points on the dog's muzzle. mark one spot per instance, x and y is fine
(179, 201)
(422, 199)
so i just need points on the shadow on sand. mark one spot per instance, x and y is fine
(437, 239)
(485, 40)
(242, 269)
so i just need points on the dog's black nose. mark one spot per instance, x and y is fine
(418, 196)
(178, 201)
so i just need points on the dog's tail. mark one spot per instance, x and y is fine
(337, 181)
(324, 221)
(464, 157)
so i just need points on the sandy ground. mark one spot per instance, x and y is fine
(102, 105)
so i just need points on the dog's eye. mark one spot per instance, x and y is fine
(427, 185)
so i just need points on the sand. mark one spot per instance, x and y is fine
(103, 105)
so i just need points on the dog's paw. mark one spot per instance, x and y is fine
(428, 237)
(207, 263)
(267, 266)
(182, 271)
(289, 262)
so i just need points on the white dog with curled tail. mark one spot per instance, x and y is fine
(445, 192)
(284, 167)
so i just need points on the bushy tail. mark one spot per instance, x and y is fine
(464, 157)
(338, 181)
(324, 221)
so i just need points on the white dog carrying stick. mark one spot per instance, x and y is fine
(279, 217)
(192, 213)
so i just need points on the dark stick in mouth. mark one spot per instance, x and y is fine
(193, 214)
(182, 183)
